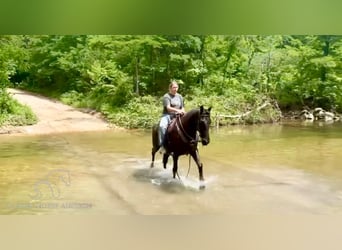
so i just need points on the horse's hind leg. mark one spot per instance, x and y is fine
(153, 153)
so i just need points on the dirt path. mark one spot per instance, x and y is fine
(54, 117)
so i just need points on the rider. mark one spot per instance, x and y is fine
(173, 104)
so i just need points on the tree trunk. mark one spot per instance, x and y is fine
(137, 75)
(326, 49)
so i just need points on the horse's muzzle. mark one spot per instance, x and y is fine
(205, 141)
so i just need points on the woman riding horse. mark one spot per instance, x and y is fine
(173, 104)
(182, 139)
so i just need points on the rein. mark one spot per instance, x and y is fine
(183, 134)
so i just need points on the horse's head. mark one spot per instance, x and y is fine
(203, 125)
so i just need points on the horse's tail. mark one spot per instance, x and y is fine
(155, 142)
(155, 138)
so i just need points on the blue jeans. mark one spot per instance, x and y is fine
(163, 124)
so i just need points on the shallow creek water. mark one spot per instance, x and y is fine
(281, 169)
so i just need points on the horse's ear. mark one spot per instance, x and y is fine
(201, 109)
(209, 109)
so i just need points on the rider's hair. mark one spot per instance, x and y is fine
(173, 82)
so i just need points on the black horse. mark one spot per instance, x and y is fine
(182, 139)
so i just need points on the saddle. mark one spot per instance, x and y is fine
(172, 123)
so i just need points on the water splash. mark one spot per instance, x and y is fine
(187, 182)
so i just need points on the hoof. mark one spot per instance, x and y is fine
(202, 186)
(152, 165)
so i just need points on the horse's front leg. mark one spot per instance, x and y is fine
(165, 159)
(195, 156)
(175, 165)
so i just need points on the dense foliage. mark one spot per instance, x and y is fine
(12, 60)
(124, 76)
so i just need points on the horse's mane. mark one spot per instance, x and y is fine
(192, 118)
(192, 112)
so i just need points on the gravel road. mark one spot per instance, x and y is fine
(54, 116)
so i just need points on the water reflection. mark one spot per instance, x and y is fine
(287, 168)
